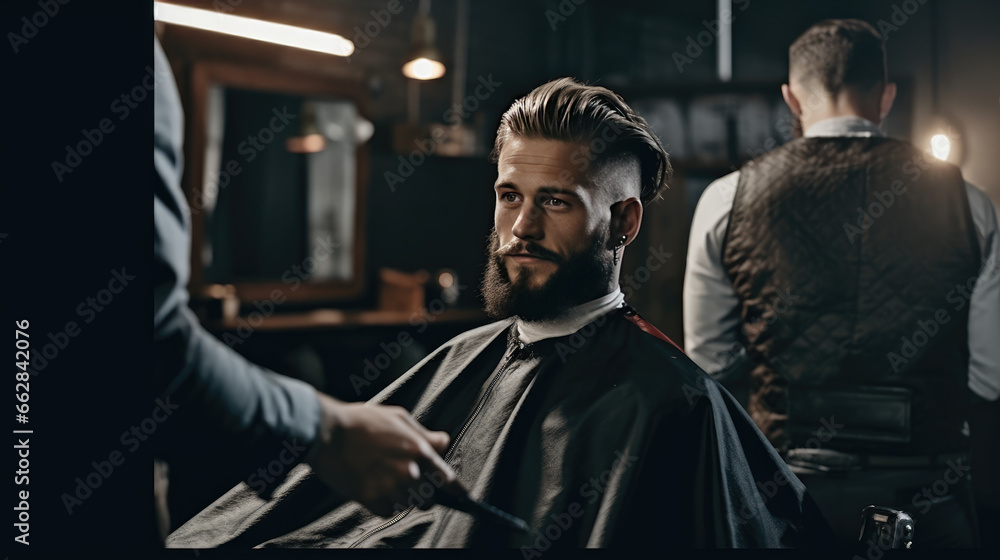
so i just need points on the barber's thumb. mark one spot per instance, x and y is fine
(439, 440)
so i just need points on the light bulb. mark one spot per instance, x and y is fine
(940, 146)
(423, 69)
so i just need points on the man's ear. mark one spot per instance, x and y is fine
(793, 103)
(626, 217)
(888, 96)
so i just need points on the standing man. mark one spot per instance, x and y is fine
(856, 281)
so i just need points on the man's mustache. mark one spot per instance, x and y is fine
(518, 248)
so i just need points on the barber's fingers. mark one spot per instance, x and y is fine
(439, 440)
(424, 446)
(431, 462)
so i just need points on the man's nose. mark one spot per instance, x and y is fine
(529, 223)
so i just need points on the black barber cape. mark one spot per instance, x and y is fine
(608, 437)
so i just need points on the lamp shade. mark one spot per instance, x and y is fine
(423, 60)
(310, 140)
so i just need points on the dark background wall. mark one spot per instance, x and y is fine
(943, 55)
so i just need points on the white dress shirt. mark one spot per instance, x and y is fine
(573, 320)
(711, 306)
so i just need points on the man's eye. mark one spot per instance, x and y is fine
(508, 197)
(555, 202)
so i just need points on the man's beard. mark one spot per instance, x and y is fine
(577, 279)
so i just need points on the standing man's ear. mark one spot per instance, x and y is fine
(791, 100)
(626, 217)
(888, 96)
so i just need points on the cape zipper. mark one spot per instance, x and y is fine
(514, 351)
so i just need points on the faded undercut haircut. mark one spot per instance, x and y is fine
(569, 111)
(838, 54)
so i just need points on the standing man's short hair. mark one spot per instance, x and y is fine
(838, 54)
(594, 116)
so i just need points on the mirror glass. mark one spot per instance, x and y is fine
(280, 186)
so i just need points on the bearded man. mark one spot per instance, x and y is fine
(569, 411)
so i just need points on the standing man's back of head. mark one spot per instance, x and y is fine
(839, 54)
(836, 68)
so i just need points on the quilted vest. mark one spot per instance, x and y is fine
(853, 259)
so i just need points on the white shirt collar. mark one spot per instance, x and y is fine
(843, 126)
(573, 320)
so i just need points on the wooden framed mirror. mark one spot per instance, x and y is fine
(277, 177)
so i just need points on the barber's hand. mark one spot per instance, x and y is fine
(374, 454)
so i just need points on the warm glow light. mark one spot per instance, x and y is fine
(445, 280)
(260, 30)
(423, 69)
(306, 144)
(940, 146)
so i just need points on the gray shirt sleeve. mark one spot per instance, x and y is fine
(711, 307)
(239, 414)
(984, 305)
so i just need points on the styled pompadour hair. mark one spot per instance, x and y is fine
(594, 116)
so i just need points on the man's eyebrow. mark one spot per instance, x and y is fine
(543, 190)
(558, 190)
